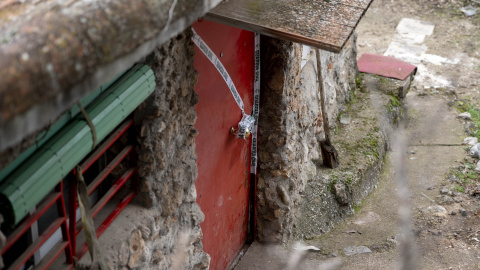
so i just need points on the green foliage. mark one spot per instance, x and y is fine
(370, 145)
(337, 130)
(358, 80)
(459, 189)
(353, 97)
(466, 175)
(393, 103)
(357, 207)
(474, 112)
(346, 179)
(333, 181)
(349, 180)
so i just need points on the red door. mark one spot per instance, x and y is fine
(223, 160)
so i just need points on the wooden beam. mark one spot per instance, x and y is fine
(326, 25)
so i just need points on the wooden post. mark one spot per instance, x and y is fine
(329, 153)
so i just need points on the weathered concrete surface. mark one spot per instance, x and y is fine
(290, 127)
(54, 52)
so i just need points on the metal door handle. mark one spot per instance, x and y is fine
(247, 133)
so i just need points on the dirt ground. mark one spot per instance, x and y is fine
(445, 210)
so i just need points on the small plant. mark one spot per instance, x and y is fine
(358, 80)
(393, 103)
(357, 207)
(353, 97)
(464, 176)
(462, 107)
(383, 79)
(459, 189)
(349, 180)
(370, 145)
(337, 130)
(333, 181)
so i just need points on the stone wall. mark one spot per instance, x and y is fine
(339, 73)
(290, 127)
(168, 234)
(164, 232)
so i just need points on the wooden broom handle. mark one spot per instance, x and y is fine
(326, 126)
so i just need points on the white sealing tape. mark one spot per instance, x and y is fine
(248, 124)
(256, 105)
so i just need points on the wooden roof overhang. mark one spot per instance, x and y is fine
(324, 24)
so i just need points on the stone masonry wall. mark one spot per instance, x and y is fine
(169, 235)
(278, 148)
(339, 74)
(291, 127)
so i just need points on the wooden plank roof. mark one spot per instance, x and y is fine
(325, 24)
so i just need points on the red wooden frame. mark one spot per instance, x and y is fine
(73, 204)
(61, 221)
(71, 229)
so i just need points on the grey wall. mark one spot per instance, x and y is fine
(291, 127)
(168, 233)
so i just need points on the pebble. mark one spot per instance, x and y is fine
(465, 116)
(349, 251)
(463, 212)
(451, 92)
(477, 168)
(436, 211)
(395, 239)
(470, 141)
(475, 151)
(444, 190)
(454, 179)
(469, 10)
(444, 199)
(471, 129)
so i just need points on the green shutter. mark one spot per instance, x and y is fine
(41, 172)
